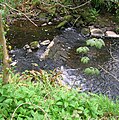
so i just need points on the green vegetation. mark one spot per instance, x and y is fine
(35, 95)
(94, 42)
(25, 100)
(81, 10)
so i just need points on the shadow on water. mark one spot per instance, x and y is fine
(24, 32)
(63, 55)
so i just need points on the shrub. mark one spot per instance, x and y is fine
(33, 101)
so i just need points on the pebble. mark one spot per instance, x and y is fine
(46, 42)
(49, 23)
(14, 63)
(26, 47)
(29, 50)
(44, 24)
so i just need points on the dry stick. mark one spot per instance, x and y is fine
(108, 73)
(76, 20)
(112, 55)
(6, 65)
(80, 5)
(21, 13)
(28, 104)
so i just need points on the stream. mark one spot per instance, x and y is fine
(63, 57)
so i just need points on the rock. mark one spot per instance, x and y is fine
(49, 23)
(85, 31)
(14, 63)
(44, 24)
(26, 47)
(34, 45)
(96, 32)
(46, 42)
(43, 56)
(111, 34)
(29, 50)
(34, 64)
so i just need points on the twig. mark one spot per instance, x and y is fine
(21, 13)
(108, 73)
(76, 20)
(68, 6)
(112, 55)
(28, 104)
(80, 5)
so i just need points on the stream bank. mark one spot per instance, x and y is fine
(63, 57)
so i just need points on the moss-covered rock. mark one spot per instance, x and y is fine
(34, 45)
(85, 31)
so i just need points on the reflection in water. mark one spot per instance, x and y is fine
(25, 32)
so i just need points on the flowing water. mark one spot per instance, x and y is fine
(63, 56)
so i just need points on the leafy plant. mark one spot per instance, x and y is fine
(92, 71)
(85, 60)
(94, 13)
(98, 43)
(82, 50)
(109, 5)
(32, 101)
(94, 42)
(97, 3)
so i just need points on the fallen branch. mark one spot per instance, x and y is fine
(108, 73)
(110, 51)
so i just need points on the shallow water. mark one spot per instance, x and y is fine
(63, 56)
(23, 32)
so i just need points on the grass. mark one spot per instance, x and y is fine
(25, 100)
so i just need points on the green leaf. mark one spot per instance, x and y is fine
(8, 101)
(87, 71)
(102, 42)
(98, 44)
(92, 71)
(59, 103)
(2, 98)
(62, 24)
(82, 50)
(91, 42)
(66, 104)
(85, 60)
(97, 72)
